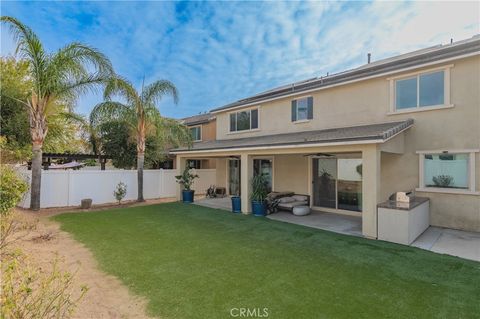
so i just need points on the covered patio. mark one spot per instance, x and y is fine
(339, 169)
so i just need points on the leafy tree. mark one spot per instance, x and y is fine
(14, 83)
(141, 116)
(114, 139)
(56, 77)
(62, 124)
(116, 142)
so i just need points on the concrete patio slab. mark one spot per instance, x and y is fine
(428, 238)
(451, 242)
(217, 203)
(343, 224)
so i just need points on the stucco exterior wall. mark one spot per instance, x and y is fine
(209, 131)
(221, 165)
(366, 102)
(208, 163)
(291, 173)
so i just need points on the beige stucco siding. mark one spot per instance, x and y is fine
(208, 163)
(209, 131)
(221, 166)
(291, 173)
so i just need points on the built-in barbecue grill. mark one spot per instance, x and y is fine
(403, 217)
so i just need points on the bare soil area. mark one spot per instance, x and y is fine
(107, 297)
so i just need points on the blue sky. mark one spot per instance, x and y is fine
(219, 52)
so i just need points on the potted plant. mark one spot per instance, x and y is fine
(186, 180)
(236, 204)
(259, 195)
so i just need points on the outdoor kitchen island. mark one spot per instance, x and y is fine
(403, 221)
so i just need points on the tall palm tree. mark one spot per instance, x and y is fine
(140, 114)
(58, 76)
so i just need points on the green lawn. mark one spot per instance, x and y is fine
(196, 262)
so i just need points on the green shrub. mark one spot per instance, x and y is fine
(12, 188)
(120, 192)
(31, 292)
(90, 162)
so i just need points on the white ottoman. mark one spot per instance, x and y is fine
(301, 210)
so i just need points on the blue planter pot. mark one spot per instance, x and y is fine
(259, 208)
(236, 204)
(187, 196)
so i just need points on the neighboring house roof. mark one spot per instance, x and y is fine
(416, 58)
(198, 119)
(373, 133)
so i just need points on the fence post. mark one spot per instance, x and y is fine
(161, 183)
(69, 188)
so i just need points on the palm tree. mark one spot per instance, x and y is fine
(141, 115)
(60, 76)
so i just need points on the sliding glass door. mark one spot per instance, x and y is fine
(234, 177)
(349, 184)
(337, 183)
(265, 167)
(324, 182)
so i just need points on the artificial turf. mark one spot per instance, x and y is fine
(196, 262)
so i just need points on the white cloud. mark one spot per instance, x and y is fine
(218, 52)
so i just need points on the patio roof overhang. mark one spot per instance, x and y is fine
(352, 135)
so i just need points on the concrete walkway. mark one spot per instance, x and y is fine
(451, 242)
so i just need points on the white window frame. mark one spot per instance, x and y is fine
(244, 110)
(200, 127)
(471, 173)
(446, 91)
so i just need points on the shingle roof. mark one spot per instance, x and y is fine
(418, 57)
(198, 119)
(364, 133)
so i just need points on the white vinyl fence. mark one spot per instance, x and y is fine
(69, 187)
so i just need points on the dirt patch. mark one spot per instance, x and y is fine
(107, 297)
(46, 212)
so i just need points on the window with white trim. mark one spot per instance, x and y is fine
(196, 133)
(244, 120)
(415, 92)
(447, 171)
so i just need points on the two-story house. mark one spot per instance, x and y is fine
(351, 139)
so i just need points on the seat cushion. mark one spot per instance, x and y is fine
(286, 200)
(300, 198)
(292, 204)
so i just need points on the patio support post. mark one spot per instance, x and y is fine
(370, 189)
(181, 162)
(246, 172)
